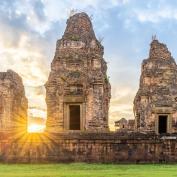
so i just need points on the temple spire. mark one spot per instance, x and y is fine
(158, 50)
(79, 28)
(154, 37)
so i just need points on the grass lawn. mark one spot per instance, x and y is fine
(87, 170)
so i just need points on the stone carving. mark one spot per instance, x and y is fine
(157, 91)
(78, 76)
(13, 103)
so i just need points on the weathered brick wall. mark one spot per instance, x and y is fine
(88, 147)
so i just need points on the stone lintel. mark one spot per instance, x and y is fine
(75, 99)
(162, 110)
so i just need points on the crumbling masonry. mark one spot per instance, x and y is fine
(155, 104)
(13, 103)
(78, 89)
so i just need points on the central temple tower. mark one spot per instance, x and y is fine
(78, 89)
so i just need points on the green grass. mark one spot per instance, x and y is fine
(87, 170)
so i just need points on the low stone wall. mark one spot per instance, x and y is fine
(88, 147)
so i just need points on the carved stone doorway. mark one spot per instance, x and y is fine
(163, 124)
(74, 117)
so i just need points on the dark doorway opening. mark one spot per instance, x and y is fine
(162, 124)
(74, 123)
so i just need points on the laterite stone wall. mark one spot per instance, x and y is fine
(88, 147)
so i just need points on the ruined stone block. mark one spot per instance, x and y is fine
(13, 103)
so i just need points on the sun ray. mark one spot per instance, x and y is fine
(36, 128)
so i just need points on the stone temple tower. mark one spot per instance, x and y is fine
(155, 104)
(78, 89)
(13, 103)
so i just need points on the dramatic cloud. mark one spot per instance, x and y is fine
(157, 15)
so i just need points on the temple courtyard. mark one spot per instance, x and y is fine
(87, 170)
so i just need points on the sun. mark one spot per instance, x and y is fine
(35, 128)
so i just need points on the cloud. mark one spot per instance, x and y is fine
(26, 60)
(156, 16)
(39, 15)
(23, 51)
(39, 90)
(31, 66)
(149, 11)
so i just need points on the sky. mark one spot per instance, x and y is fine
(29, 30)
